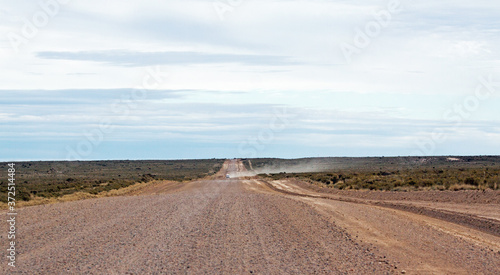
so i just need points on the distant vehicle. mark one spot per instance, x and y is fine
(227, 176)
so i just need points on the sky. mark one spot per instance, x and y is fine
(87, 80)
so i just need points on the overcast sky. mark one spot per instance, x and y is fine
(201, 79)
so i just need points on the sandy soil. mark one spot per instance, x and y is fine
(245, 226)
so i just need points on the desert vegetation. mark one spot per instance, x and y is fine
(395, 174)
(52, 179)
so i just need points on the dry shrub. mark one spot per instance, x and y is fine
(83, 195)
(457, 187)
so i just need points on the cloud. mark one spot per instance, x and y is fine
(223, 78)
(134, 59)
(71, 101)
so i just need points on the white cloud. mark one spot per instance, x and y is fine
(428, 58)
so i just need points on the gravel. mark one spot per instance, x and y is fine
(212, 227)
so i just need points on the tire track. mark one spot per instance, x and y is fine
(479, 223)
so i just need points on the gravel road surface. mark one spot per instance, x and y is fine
(238, 226)
(213, 226)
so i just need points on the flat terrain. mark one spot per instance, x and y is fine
(54, 179)
(254, 226)
(387, 173)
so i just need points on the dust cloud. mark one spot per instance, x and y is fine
(303, 167)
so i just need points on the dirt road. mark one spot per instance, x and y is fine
(240, 226)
